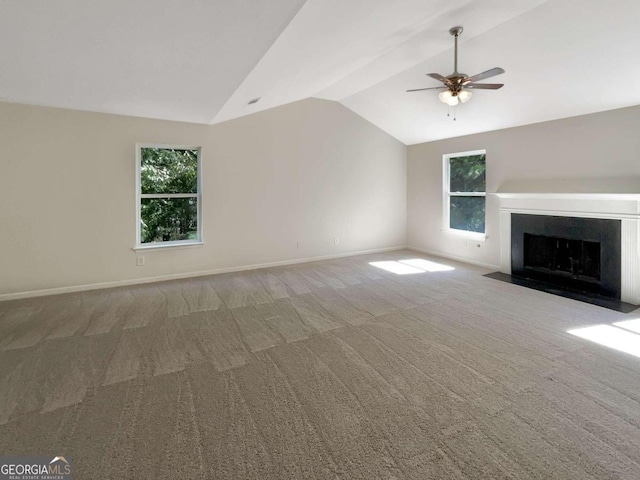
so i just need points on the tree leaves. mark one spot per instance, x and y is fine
(164, 170)
(467, 213)
(168, 219)
(168, 171)
(467, 175)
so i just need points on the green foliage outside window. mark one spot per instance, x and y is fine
(166, 171)
(467, 175)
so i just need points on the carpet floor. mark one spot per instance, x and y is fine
(327, 370)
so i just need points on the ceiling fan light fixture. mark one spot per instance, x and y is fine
(453, 100)
(445, 96)
(464, 96)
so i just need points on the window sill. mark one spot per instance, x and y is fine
(478, 237)
(167, 245)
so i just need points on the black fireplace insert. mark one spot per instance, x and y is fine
(580, 254)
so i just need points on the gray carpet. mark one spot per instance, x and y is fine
(327, 370)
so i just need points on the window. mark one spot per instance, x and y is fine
(168, 196)
(464, 192)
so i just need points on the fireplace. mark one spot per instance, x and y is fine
(573, 253)
(580, 244)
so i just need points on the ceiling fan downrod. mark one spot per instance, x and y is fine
(455, 32)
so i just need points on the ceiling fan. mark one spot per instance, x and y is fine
(458, 86)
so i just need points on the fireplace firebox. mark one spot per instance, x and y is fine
(574, 253)
(577, 259)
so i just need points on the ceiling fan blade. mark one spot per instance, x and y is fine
(439, 77)
(484, 86)
(488, 74)
(421, 89)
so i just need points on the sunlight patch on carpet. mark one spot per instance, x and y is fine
(633, 325)
(612, 337)
(411, 266)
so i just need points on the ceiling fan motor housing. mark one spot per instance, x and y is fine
(457, 81)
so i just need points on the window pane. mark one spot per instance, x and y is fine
(165, 170)
(168, 219)
(467, 213)
(467, 174)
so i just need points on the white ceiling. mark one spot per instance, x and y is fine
(202, 61)
(177, 60)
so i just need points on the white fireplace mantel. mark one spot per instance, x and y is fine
(623, 207)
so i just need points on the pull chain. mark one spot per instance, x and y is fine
(449, 112)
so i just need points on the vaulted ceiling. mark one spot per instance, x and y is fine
(203, 61)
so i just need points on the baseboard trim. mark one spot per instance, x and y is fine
(453, 257)
(178, 276)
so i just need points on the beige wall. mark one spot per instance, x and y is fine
(305, 172)
(590, 153)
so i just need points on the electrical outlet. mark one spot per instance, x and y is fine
(336, 240)
(139, 261)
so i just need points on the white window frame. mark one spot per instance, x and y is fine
(446, 201)
(139, 196)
